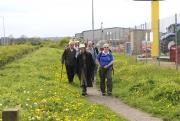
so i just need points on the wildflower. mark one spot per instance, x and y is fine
(66, 109)
(33, 118)
(35, 104)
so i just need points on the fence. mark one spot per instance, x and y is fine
(168, 46)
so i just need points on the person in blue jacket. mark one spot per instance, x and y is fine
(105, 61)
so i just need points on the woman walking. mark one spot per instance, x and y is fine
(105, 61)
(85, 69)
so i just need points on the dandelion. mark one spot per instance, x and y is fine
(35, 104)
(38, 118)
(66, 109)
(33, 118)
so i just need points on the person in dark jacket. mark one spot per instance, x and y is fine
(85, 67)
(69, 58)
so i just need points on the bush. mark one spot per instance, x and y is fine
(12, 52)
(63, 42)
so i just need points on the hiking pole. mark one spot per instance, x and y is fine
(61, 71)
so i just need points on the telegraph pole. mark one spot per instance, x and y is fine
(92, 20)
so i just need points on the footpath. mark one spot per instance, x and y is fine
(119, 107)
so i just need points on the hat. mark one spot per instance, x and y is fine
(76, 41)
(106, 45)
(89, 42)
(82, 46)
(71, 42)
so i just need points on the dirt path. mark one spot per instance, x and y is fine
(119, 107)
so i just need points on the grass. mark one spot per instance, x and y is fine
(12, 52)
(150, 88)
(33, 85)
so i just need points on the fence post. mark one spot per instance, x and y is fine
(10, 114)
(159, 44)
(176, 42)
(135, 40)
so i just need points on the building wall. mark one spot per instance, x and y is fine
(136, 38)
(117, 35)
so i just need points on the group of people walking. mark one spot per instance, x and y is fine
(84, 60)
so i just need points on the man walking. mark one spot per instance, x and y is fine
(69, 58)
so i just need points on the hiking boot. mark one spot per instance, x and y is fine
(84, 94)
(109, 94)
(103, 94)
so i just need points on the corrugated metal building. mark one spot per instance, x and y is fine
(117, 36)
(114, 35)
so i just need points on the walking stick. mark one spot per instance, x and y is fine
(61, 71)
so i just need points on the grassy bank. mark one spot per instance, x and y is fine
(33, 85)
(151, 88)
(12, 52)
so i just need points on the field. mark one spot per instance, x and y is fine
(150, 88)
(33, 85)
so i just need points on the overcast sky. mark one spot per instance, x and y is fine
(47, 18)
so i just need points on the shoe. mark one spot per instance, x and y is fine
(109, 94)
(84, 94)
(103, 94)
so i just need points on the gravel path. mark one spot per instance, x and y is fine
(119, 107)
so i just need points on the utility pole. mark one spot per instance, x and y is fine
(93, 20)
(4, 32)
(102, 30)
(177, 57)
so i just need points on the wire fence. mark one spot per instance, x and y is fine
(168, 38)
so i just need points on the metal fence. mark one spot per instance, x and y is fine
(168, 46)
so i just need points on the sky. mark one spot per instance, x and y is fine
(57, 18)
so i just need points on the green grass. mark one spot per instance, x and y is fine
(150, 88)
(12, 52)
(33, 85)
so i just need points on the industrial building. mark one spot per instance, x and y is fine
(118, 36)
